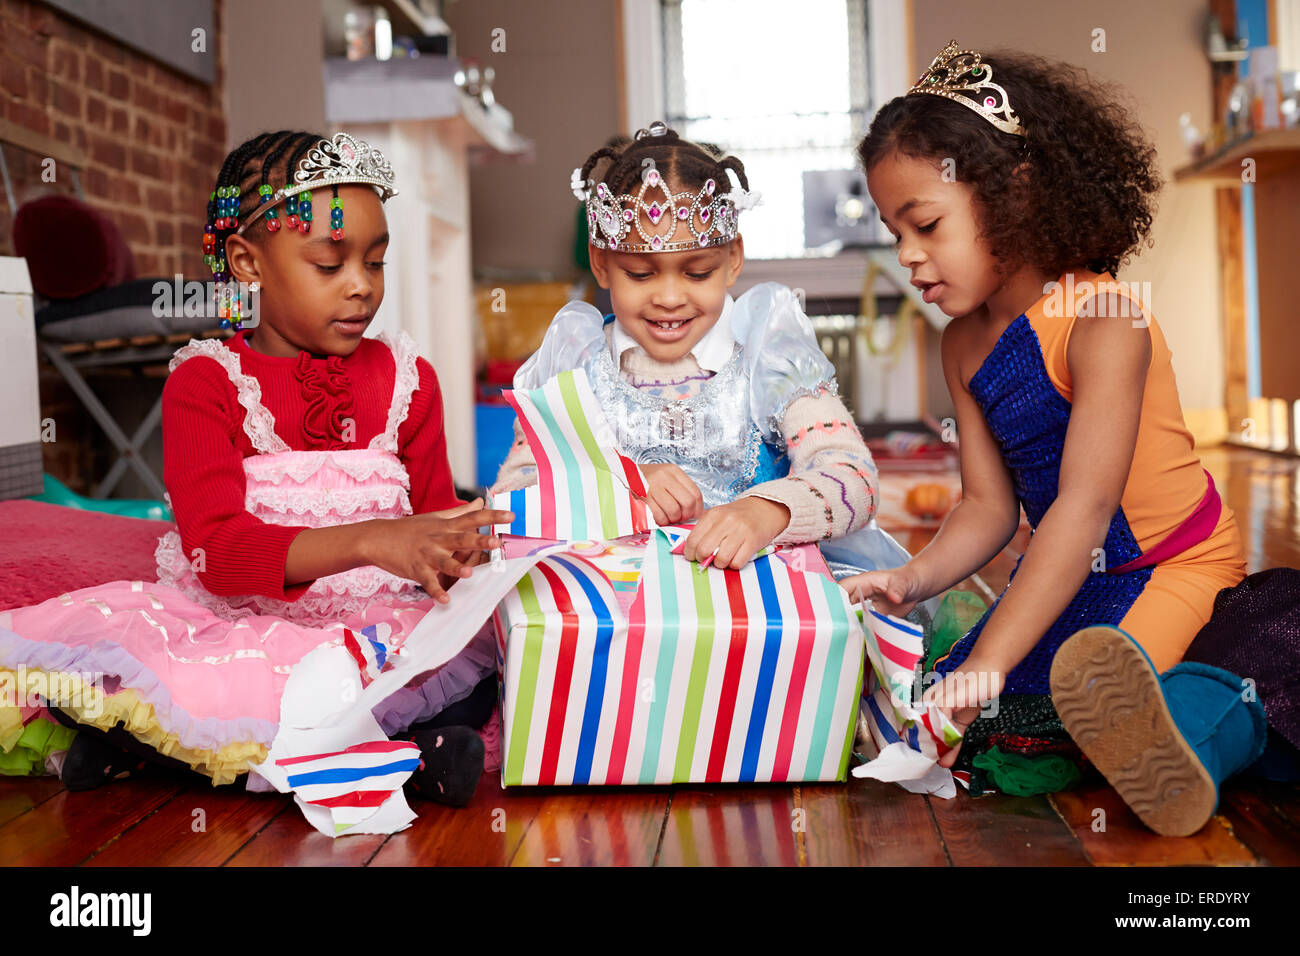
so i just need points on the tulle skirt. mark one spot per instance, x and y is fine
(189, 683)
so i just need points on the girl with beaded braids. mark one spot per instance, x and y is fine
(307, 469)
(728, 405)
(1066, 407)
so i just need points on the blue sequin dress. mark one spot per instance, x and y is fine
(1028, 417)
(1024, 390)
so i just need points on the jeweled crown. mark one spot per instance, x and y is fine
(338, 161)
(963, 76)
(711, 217)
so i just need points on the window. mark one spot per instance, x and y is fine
(786, 87)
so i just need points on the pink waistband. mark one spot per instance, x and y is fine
(1198, 526)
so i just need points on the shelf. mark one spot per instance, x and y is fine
(419, 88)
(1274, 151)
(408, 19)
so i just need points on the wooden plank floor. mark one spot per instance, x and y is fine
(161, 821)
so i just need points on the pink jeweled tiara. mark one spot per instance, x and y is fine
(710, 216)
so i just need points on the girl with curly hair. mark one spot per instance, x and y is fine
(1015, 188)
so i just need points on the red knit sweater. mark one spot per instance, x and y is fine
(204, 445)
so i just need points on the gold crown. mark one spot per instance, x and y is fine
(961, 75)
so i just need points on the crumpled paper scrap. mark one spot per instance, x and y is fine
(909, 736)
(338, 730)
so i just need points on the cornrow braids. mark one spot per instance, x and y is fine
(736, 166)
(611, 152)
(685, 164)
(249, 166)
(243, 182)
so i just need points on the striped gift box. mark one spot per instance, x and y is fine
(696, 676)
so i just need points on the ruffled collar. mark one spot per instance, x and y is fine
(329, 420)
(710, 353)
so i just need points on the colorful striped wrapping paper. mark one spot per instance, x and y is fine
(351, 784)
(720, 676)
(909, 736)
(586, 489)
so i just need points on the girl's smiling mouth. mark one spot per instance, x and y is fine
(668, 330)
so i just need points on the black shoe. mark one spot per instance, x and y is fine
(92, 762)
(471, 711)
(451, 761)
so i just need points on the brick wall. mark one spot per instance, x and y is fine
(152, 138)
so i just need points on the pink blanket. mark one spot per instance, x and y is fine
(47, 549)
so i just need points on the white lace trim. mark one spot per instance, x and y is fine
(360, 464)
(329, 598)
(168, 548)
(327, 502)
(259, 424)
(406, 378)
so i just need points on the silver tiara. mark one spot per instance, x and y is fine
(339, 161)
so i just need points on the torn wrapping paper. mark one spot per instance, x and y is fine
(713, 676)
(908, 735)
(325, 713)
(320, 718)
(353, 783)
(586, 489)
(369, 648)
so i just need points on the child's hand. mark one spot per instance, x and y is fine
(734, 533)
(962, 694)
(467, 558)
(894, 592)
(436, 549)
(672, 496)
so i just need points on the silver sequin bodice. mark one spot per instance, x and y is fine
(710, 436)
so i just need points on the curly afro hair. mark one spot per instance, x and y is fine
(1085, 194)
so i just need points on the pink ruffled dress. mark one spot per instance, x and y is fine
(199, 676)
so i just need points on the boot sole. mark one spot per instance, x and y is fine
(1109, 699)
